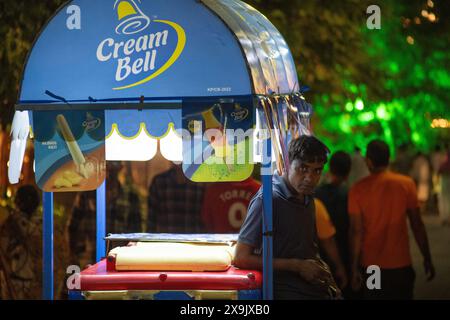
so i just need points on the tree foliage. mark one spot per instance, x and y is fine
(21, 22)
(388, 83)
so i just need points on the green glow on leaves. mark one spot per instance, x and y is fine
(440, 77)
(366, 116)
(382, 113)
(416, 137)
(419, 73)
(393, 67)
(359, 104)
(344, 124)
(353, 88)
(415, 82)
(349, 106)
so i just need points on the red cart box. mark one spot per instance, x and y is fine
(103, 281)
(98, 283)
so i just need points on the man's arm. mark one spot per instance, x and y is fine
(309, 270)
(355, 239)
(420, 235)
(331, 250)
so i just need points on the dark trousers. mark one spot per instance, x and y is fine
(396, 284)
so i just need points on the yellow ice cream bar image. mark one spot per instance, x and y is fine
(216, 137)
(72, 145)
(68, 179)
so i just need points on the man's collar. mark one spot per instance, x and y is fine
(287, 192)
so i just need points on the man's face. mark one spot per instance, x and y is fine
(304, 176)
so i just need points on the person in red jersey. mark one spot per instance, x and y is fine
(225, 205)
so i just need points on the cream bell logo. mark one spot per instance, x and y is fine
(139, 55)
(133, 20)
(239, 113)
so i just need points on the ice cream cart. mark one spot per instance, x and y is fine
(106, 79)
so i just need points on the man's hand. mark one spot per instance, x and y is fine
(429, 269)
(311, 271)
(356, 280)
(341, 277)
(420, 234)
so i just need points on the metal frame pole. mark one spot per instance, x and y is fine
(266, 176)
(101, 221)
(47, 243)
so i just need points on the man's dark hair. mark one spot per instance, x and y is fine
(27, 199)
(340, 164)
(308, 149)
(378, 153)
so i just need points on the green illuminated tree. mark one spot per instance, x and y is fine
(387, 83)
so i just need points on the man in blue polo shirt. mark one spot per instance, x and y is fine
(298, 270)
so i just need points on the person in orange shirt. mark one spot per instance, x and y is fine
(326, 233)
(379, 207)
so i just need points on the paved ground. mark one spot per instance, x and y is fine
(439, 237)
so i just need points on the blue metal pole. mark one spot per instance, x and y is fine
(101, 221)
(266, 176)
(47, 242)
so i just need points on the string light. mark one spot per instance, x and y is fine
(440, 123)
(410, 40)
(406, 22)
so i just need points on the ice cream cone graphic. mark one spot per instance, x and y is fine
(216, 137)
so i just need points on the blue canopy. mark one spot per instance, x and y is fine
(130, 51)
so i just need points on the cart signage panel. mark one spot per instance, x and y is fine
(69, 150)
(217, 139)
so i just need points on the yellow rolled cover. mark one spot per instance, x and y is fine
(149, 294)
(162, 256)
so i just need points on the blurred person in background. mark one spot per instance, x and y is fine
(358, 169)
(334, 196)
(438, 158)
(175, 203)
(225, 205)
(329, 251)
(379, 207)
(21, 247)
(402, 163)
(420, 173)
(444, 199)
